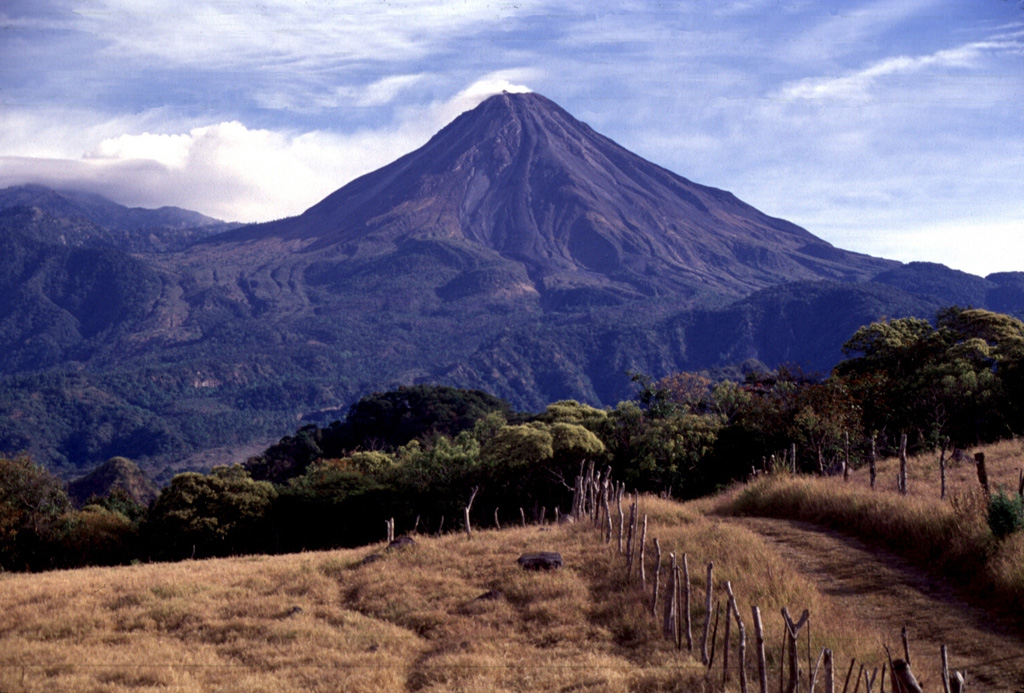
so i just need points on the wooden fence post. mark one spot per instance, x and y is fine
(607, 518)
(873, 470)
(496, 523)
(732, 612)
(849, 673)
(902, 483)
(906, 644)
(522, 515)
(618, 502)
(472, 497)
(793, 633)
(707, 615)
(725, 645)
(945, 669)
(846, 457)
(643, 551)
(979, 457)
(830, 677)
(792, 458)
(669, 621)
(686, 604)
(762, 667)
(942, 468)
(657, 578)
(629, 542)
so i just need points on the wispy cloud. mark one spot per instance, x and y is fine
(858, 84)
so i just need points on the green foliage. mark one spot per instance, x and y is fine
(332, 504)
(959, 378)
(1005, 514)
(217, 514)
(33, 515)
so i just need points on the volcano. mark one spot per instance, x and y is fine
(560, 212)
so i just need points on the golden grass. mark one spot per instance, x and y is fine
(948, 537)
(410, 621)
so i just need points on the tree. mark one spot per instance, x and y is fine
(221, 513)
(959, 378)
(335, 503)
(33, 515)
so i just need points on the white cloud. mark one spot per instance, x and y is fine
(234, 172)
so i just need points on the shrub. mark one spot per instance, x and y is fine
(1005, 514)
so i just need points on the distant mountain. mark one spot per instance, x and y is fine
(117, 472)
(517, 252)
(80, 219)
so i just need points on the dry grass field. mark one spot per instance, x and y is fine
(415, 620)
(949, 537)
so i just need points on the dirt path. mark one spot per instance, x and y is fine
(852, 572)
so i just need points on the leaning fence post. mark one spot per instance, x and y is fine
(906, 644)
(465, 511)
(814, 676)
(762, 667)
(849, 673)
(725, 647)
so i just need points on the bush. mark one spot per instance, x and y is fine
(1005, 514)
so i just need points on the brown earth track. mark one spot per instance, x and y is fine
(889, 593)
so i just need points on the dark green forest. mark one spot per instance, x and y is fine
(417, 454)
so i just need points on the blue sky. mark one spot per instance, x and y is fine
(891, 127)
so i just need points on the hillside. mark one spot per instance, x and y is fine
(518, 252)
(451, 612)
(79, 219)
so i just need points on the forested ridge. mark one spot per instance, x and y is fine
(417, 454)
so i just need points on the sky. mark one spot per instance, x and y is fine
(889, 127)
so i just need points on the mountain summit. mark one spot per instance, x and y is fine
(521, 181)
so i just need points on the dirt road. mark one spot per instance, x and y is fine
(889, 593)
